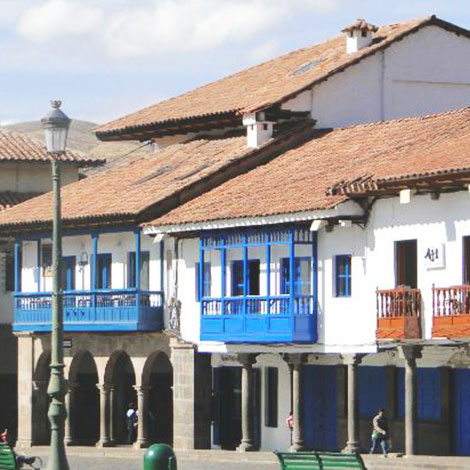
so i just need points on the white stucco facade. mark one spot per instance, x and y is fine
(422, 74)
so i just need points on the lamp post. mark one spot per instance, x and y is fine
(56, 125)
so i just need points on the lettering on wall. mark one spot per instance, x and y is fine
(434, 256)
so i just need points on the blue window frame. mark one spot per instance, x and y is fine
(68, 272)
(343, 275)
(302, 277)
(103, 276)
(207, 281)
(144, 270)
(252, 277)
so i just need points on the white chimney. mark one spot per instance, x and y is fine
(358, 35)
(258, 129)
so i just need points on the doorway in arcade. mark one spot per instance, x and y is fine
(227, 426)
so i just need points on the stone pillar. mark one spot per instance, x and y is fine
(192, 397)
(295, 362)
(142, 422)
(247, 444)
(25, 389)
(69, 424)
(410, 354)
(352, 361)
(112, 409)
(105, 440)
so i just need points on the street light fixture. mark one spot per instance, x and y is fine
(56, 125)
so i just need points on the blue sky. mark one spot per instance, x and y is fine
(106, 58)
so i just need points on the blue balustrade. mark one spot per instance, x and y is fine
(99, 310)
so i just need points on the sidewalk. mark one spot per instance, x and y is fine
(373, 462)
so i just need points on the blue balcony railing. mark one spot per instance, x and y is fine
(100, 310)
(259, 319)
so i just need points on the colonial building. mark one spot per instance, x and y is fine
(268, 257)
(24, 173)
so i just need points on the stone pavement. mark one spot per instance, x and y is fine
(125, 458)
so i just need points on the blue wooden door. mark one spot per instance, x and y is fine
(104, 271)
(461, 411)
(320, 407)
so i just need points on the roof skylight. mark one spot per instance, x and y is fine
(307, 67)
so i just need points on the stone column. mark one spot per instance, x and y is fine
(25, 388)
(352, 361)
(247, 444)
(410, 354)
(295, 362)
(112, 406)
(192, 397)
(142, 407)
(69, 404)
(105, 440)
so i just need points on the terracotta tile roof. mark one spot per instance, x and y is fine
(301, 179)
(266, 84)
(124, 191)
(9, 199)
(16, 147)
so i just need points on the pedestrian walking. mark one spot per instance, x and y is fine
(290, 424)
(131, 422)
(380, 432)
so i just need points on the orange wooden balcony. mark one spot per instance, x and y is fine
(451, 312)
(399, 313)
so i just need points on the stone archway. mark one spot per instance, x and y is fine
(157, 380)
(120, 377)
(83, 400)
(40, 402)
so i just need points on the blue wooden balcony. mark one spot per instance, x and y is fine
(274, 319)
(251, 312)
(99, 310)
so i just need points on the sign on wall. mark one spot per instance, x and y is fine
(434, 256)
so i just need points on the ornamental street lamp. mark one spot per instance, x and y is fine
(56, 125)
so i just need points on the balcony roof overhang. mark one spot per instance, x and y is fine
(346, 210)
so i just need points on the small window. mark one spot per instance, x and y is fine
(265, 127)
(466, 260)
(302, 277)
(343, 276)
(144, 270)
(103, 276)
(252, 277)
(46, 259)
(364, 34)
(207, 281)
(10, 272)
(271, 399)
(68, 272)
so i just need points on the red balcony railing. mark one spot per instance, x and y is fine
(399, 313)
(451, 311)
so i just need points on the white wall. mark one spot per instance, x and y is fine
(427, 72)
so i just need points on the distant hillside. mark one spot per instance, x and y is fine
(82, 139)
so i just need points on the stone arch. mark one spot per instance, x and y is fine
(84, 403)
(157, 379)
(41, 376)
(120, 376)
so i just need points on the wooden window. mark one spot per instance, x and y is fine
(207, 281)
(10, 271)
(406, 265)
(302, 275)
(343, 275)
(46, 259)
(68, 272)
(466, 260)
(144, 270)
(103, 276)
(271, 397)
(252, 277)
